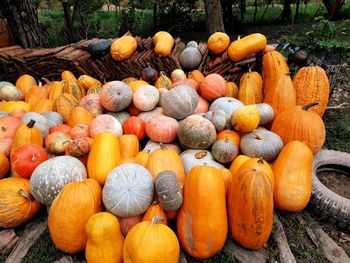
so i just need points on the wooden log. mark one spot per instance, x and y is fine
(247, 256)
(8, 239)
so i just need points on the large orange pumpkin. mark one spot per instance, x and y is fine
(123, 48)
(250, 88)
(246, 46)
(213, 87)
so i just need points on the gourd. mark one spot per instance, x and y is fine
(79, 115)
(92, 102)
(163, 42)
(25, 82)
(9, 92)
(79, 130)
(155, 209)
(197, 76)
(123, 48)
(64, 104)
(149, 74)
(163, 81)
(105, 123)
(88, 82)
(231, 90)
(56, 143)
(218, 118)
(43, 105)
(129, 146)
(56, 90)
(71, 86)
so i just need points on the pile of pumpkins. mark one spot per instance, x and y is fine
(215, 157)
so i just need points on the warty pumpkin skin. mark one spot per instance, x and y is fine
(129, 146)
(250, 88)
(105, 241)
(163, 81)
(17, 205)
(149, 242)
(202, 219)
(123, 48)
(250, 208)
(293, 177)
(300, 124)
(246, 46)
(103, 157)
(77, 201)
(218, 42)
(164, 43)
(312, 85)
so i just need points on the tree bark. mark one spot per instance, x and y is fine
(23, 22)
(287, 11)
(213, 16)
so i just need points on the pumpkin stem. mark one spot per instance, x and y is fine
(31, 123)
(261, 160)
(306, 107)
(162, 73)
(257, 136)
(157, 219)
(200, 155)
(155, 202)
(33, 158)
(46, 80)
(3, 128)
(26, 194)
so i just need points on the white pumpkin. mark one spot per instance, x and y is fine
(128, 190)
(228, 105)
(49, 178)
(9, 92)
(53, 118)
(146, 98)
(266, 113)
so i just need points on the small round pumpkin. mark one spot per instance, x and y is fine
(162, 129)
(155, 209)
(92, 102)
(57, 142)
(228, 105)
(149, 74)
(61, 128)
(134, 85)
(25, 82)
(190, 58)
(246, 119)
(189, 82)
(5, 146)
(224, 151)
(115, 96)
(105, 123)
(79, 130)
(146, 98)
(229, 135)
(177, 75)
(266, 113)
(192, 43)
(197, 76)
(135, 125)
(9, 92)
(213, 87)
(8, 126)
(163, 81)
(78, 147)
(218, 42)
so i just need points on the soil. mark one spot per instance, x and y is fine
(336, 182)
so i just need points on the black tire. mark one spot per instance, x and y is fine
(324, 202)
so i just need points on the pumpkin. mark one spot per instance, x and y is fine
(197, 76)
(134, 85)
(228, 105)
(61, 128)
(43, 106)
(266, 113)
(250, 208)
(190, 58)
(218, 118)
(9, 106)
(78, 147)
(100, 47)
(129, 145)
(227, 177)
(155, 209)
(79, 130)
(146, 98)
(162, 129)
(104, 156)
(105, 123)
(229, 135)
(135, 125)
(130, 160)
(104, 239)
(191, 158)
(88, 82)
(123, 48)
(148, 115)
(196, 132)
(79, 115)
(18, 113)
(17, 205)
(8, 126)
(192, 43)
(25, 82)
(26, 158)
(237, 163)
(128, 80)
(126, 223)
(65, 75)
(250, 88)
(203, 106)
(142, 158)
(178, 75)
(72, 87)
(57, 142)
(204, 195)
(188, 82)
(168, 190)
(121, 116)
(224, 151)
(4, 165)
(213, 87)
(149, 74)
(273, 65)
(92, 102)
(163, 81)
(282, 95)
(36, 94)
(152, 146)
(246, 46)
(180, 102)
(164, 159)
(9, 92)
(128, 190)
(64, 104)
(144, 237)
(53, 118)
(164, 43)
(40, 121)
(78, 201)
(231, 90)
(218, 42)
(115, 96)
(246, 119)
(312, 85)
(55, 90)
(292, 172)
(261, 143)
(5, 146)
(299, 124)
(94, 90)
(133, 110)
(49, 178)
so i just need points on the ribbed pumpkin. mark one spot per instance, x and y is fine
(72, 87)
(201, 235)
(227, 177)
(17, 205)
(88, 82)
(24, 83)
(142, 239)
(56, 90)
(123, 48)
(312, 85)
(79, 115)
(115, 96)
(92, 102)
(79, 130)
(4, 165)
(43, 106)
(61, 128)
(250, 208)
(65, 75)
(189, 82)
(274, 64)
(203, 106)
(40, 121)
(197, 76)
(146, 98)
(155, 209)
(163, 81)
(36, 94)
(135, 125)
(78, 201)
(8, 126)
(57, 142)
(129, 145)
(228, 105)
(94, 90)
(105, 123)
(300, 124)
(164, 43)
(162, 129)
(266, 113)
(237, 163)
(242, 48)
(190, 58)
(166, 159)
(64, 104)
(218, 42)
(213, 87)
(250, 88)
(293, 177)
(282, 95)
(103, 157)
(142, 158)
(104, 239)
(231, 90)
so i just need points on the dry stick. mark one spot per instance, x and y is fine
(248, 256)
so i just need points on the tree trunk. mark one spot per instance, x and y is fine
(154, 17)
(287, 11)
(297, 9)
(23, 23)
(213, 16)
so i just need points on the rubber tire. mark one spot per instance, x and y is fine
(324, 202)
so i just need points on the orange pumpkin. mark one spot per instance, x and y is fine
(250, 88)
(24, 83)
(4, 165)
(8, 126)
(123, 48)
(142, 157)
(36, 94)
(213, 87)
(227, 176)
(56, 90)
(164, 43)
(129, 146)
(229, 135)
(79, 115)
(88, 82)
(246, 46)
(155, 209)
(231, 90)
(237, 163)
(65, 75)
(218, 42)
(79, 130)
(43, 106)
(64, 104)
